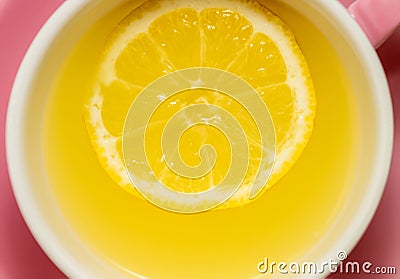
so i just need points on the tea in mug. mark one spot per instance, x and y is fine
(84, 132)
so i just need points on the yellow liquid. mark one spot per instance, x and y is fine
(283, 224)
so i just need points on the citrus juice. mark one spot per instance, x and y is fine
(283, 224)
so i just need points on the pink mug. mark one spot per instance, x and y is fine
(31, 89)
(378, 18)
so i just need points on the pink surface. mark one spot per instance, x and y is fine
(21, 257)
(378, 18)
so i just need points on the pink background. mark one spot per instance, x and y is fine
(20, 255)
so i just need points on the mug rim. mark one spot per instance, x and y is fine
(16, 115)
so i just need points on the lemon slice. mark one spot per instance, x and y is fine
(164, 36)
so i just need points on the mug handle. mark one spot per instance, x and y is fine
(378, 18)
